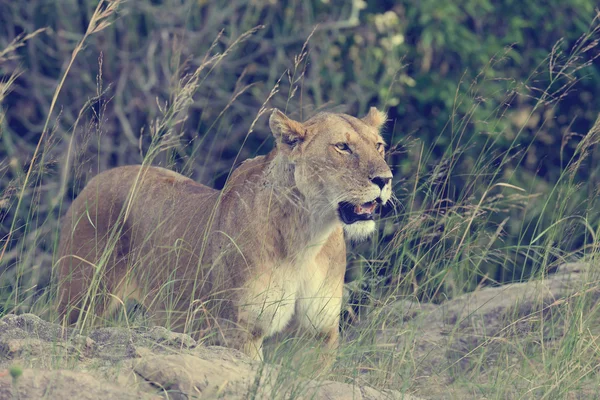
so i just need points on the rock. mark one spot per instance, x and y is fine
(446, 337)
(480, 318)
(119, 363)
(186, 376)
(162, 335)
(62, 384)
(27, 335)
(29, 325)
(114, 344)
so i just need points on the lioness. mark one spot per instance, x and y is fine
(234, 265)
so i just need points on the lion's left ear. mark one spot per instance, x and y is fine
(286, 130)
(375, 118)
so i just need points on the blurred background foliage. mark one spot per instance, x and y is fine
(479, 92)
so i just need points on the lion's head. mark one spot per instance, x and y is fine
(339, 165)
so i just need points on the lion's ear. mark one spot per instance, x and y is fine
(375, 118)
(286, 130)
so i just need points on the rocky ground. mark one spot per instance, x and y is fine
(431, 346)
(119, 363)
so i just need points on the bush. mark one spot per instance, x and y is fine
(491, 104)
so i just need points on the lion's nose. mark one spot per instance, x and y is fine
(381, 181)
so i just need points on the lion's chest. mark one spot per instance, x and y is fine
(273, 295)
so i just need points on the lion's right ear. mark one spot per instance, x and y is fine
(375, 118)
(286, 130)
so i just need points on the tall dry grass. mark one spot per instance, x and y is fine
(432, 245)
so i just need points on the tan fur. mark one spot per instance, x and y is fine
(232, 266)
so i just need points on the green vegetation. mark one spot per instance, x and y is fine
(15, 372)
(493, 140)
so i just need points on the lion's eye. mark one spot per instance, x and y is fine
(343, 147)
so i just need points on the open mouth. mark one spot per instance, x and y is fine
(350, 213)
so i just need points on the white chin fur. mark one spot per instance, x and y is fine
(360, 230)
